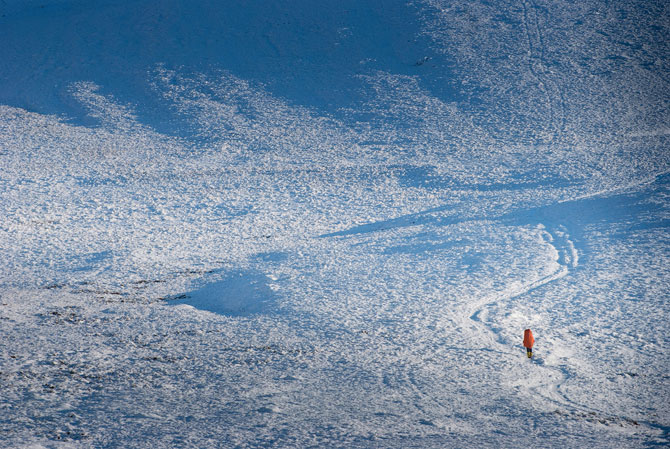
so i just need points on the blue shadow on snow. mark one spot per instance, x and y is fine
(240, 293)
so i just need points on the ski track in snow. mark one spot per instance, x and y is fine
(548, 378)
(542, 384)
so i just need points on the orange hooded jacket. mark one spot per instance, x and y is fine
(528, 340)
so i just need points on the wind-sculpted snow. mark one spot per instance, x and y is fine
(556, 71)
(201, 257)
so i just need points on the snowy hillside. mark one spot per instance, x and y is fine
(230, 223)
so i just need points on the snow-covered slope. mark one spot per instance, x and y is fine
(327, 224)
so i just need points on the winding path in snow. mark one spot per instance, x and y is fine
(546, 383)
(567, 258)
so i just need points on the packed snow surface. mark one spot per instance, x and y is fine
(327, 224)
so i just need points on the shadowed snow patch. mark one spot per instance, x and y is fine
(240, 293)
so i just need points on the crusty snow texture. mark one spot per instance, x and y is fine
(327, 224)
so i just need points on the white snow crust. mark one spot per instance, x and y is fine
(269, 224)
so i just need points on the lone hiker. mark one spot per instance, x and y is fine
(528, 342)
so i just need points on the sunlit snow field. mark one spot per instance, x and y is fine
(327, 224)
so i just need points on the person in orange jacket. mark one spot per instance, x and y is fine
(528, 342)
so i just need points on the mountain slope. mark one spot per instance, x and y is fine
(253, 224)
